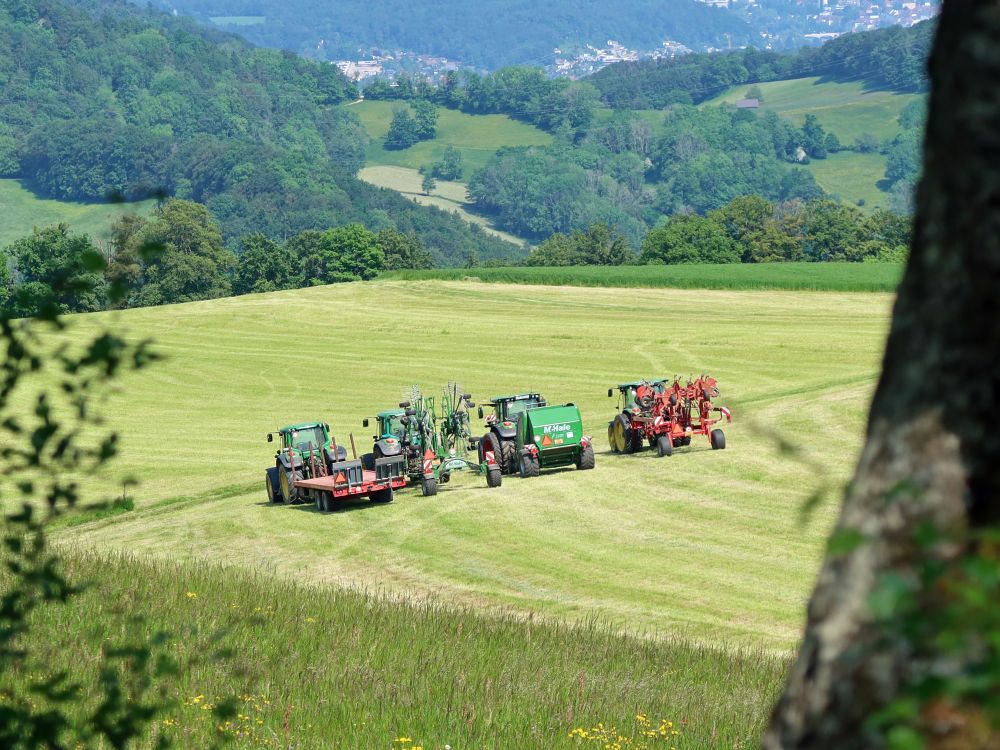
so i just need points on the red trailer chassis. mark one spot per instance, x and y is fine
(374, 478)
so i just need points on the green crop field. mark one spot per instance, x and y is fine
(477, 137)
(852, 176)
(704, 558)
(847, 109)
(447, 195)
(21, 210)
(842, 277)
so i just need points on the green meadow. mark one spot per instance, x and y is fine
(21, 210)
(477, 137)
(550, 612)
(842, 277)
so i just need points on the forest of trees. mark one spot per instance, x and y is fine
(101, 99)
(892, 58)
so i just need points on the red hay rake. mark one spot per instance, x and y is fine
(667, 415)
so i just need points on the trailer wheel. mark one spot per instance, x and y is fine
(494, 478)
(320, 500)
(586, 459)
(289, 492)
(445, 476)
(664, 446)
(611, 438)
(529, 466)
(381, 496)
(273, 484)
(686, 440)
(428, 487)
(638, 444)
(718, 438)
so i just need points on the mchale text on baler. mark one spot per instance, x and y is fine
(551, 436)
(666, 414)
(433, 445)
(310, 466)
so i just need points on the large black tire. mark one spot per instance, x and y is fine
(272, 484)
(664, 446)
(289, 492)
(686, 440)
(586, 459)
(491, 442)
(381, 496)
(529, 466)
(638, 444)
(428, 487)
(322, 501)
(509, 451)
(611, 438)
(718, 438)
(623, 434)
(494, 478)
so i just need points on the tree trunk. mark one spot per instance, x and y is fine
(932, 455)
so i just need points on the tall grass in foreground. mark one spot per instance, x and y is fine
(827, 277)
(329, 668)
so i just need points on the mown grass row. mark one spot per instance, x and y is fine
(828, 277)
(331, 668)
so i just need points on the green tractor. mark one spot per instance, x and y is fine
(552, 436)
(433, 445)
(501, 436)
(299, 446)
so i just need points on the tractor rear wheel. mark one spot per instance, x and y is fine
(529, 466)
(273, 484)
(509, 451)
(664, 446)
(638, 444)
(611, 438)
(622, 433)
(289, 492)
(718, 438)
(381, 496)
(586, 458)
(494, 478)
(428, 486)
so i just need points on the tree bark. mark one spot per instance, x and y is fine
(932, 452)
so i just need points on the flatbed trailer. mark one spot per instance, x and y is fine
(374, 478)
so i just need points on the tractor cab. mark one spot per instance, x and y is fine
(631, 395)
(391, 424)
(506, 408)
(396, 431)
(304, 439)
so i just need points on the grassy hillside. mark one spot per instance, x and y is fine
(447, 195)
(847, 109)
(477, 137)
(20, 210)
(707, 545)
(310, 668)
(840, 277)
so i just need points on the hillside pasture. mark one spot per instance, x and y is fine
(477, 137)
(848, 109)
(707, 545)
(446, 195)
(853, 177)
(21, 210)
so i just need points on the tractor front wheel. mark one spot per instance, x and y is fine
(428, 487)
(273, 483)
(289, 492)
(586, 458)
(529, 466)
(718, 438)
(664, 446)
(494, 478)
